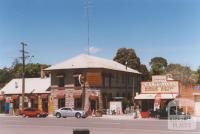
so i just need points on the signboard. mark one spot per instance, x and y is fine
(159, 78)
(159, 84)
(157, 101)
(94, 79)
(116, 107)
(160, 87)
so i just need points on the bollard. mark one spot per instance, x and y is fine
(81, 131)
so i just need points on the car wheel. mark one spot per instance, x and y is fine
(58, 115)
(78, 115)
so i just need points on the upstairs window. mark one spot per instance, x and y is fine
(61, 80)
(77, 80)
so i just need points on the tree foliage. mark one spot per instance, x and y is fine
(129, 57)
(5, 75)
(158, 65)
(198, 75)
(145, 73)
(182, 73)
(15, 71)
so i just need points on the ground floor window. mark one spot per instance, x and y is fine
(45, 105)
(34, 103)
(93, 105)
(147, 105)
(16, 104)
(61, 102)
(2, 106)
(77, 103)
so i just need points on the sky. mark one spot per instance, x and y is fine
(56, 30)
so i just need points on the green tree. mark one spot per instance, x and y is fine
(158, 65)
(129, 57)
(182, 73)
(5, 75)
(145, 73)
(31, 70)
(198, 75)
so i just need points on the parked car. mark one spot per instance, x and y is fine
(69, 112)
(32, 112)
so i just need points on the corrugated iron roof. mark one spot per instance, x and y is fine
(32, 85)
(88, 61)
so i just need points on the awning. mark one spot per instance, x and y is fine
(14, 97)
(60, 96)
(77, 95)
(152, 96)
(93, 96)
(44, 96)
(2, 97)
(33, 97)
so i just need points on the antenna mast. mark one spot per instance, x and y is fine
(88, 25)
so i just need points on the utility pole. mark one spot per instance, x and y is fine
(23, 72)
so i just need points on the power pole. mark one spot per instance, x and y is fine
(23, 72)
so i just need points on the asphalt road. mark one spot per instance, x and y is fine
(19, 125)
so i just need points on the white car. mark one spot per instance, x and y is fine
(69, 112)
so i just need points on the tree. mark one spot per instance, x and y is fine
(145, 73)
(5, 75)
(198, 75)
(158, 65)
(129, 57)
(182, 73)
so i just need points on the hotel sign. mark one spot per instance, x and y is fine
(160, 86)
(94, 79)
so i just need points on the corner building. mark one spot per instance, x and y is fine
(104, 80)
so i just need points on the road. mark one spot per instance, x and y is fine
(19, 125)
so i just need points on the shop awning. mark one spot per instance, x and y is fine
(152, 96)
(77, 95)
(2, 97)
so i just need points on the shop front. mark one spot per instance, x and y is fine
(36, 95)
(156, 95)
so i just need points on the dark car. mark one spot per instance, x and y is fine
(32, 112)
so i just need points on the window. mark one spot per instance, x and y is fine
(16, 103)
(77, 103)
(61, 102)
(107, 80)
(61, 82)
(66, 109)
(76, 81)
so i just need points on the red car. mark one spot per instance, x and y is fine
(32, 112)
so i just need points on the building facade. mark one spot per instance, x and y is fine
(89, 83)
(37, 95)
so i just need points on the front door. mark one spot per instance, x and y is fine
(93, 105)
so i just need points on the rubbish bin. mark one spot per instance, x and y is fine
(81, 131)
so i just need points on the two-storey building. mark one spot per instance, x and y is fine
(103, 81)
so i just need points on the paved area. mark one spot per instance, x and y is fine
(20, 125)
